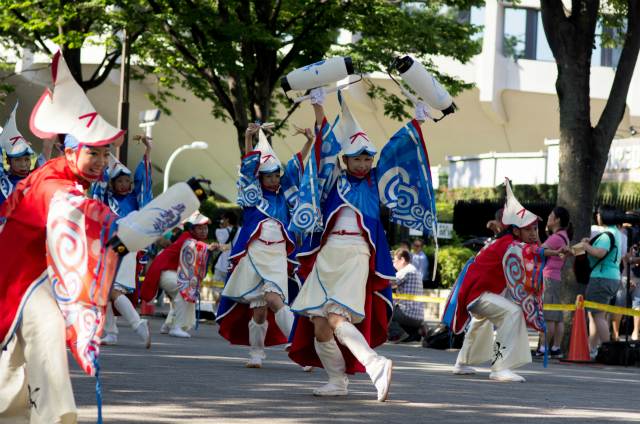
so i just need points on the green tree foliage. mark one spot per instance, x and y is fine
(233, 52)
(71, 24)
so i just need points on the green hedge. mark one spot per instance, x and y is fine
(451, 260)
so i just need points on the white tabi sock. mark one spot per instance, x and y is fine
(349, 336)
(257, 334)
(284, 319)
(128, 312)
(333, 362)
(110, 320)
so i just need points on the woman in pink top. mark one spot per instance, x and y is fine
(561, 230)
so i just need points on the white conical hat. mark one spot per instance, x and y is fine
(349, 133)
(116, 167)
(11, 141)
(197, 219)
(68, 111)
(514, 213)
(269, 162)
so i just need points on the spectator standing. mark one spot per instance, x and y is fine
(419, 259)
(561, 232)
(605, 277)
(408, 315)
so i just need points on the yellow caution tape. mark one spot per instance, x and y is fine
(427, 299)
(209, 283)
(549, 307)
(612, 309)
(552, 307)
(430, 299)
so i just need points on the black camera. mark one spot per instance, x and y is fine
(615, 218)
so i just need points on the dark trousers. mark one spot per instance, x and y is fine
(401, 324)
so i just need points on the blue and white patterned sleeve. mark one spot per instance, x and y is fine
(404, 180)
(248, 185)
(290, 181)
(143, 183)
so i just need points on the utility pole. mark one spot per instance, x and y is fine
(123, 108)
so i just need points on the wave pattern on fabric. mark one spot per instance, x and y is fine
(82, 270)
(192, 269)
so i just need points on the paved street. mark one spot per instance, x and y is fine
(204, 380)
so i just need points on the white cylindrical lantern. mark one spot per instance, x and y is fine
(425, 85)
(318, 74)
(163, 213)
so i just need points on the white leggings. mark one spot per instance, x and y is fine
(35, 386)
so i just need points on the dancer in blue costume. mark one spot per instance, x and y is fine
(123, 197)
(18, 156)
(254, 309)
(347, 291)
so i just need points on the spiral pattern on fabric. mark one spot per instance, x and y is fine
(60, 291)
(251, 195)
(428, 221)
(303, 216)
(69, 248)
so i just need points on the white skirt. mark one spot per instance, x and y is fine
(339, 278)
(263, 269)
(126, 276)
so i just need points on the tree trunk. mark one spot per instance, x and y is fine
(584, 149)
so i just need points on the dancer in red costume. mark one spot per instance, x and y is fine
(58, 268)
(164, 273)
(502, 287)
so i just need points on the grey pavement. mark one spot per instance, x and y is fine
(205, 380)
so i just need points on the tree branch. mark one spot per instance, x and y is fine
(206, 72)
(616, 104)
(43, 47)
(286, 61)
(302, 15)
(289, 113)
(553, 17)
(274, 17)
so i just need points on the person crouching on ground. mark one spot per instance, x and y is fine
(498, 289)
(163, 273)
(408, 315)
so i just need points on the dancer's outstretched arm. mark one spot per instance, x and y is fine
(317, 100)
(307, 145)
(248, 138)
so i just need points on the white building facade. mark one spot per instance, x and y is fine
(512, 109)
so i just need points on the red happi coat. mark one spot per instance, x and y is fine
(167, 260)
(52, 196)
(504, 264)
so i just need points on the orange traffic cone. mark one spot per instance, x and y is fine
(579, 350)
(147, 309)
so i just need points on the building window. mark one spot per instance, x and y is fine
(524, 38)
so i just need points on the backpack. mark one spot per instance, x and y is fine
(581, 267)
(441, 338)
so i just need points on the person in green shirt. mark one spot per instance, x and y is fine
(605, 277)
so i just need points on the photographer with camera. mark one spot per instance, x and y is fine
(604, 257)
